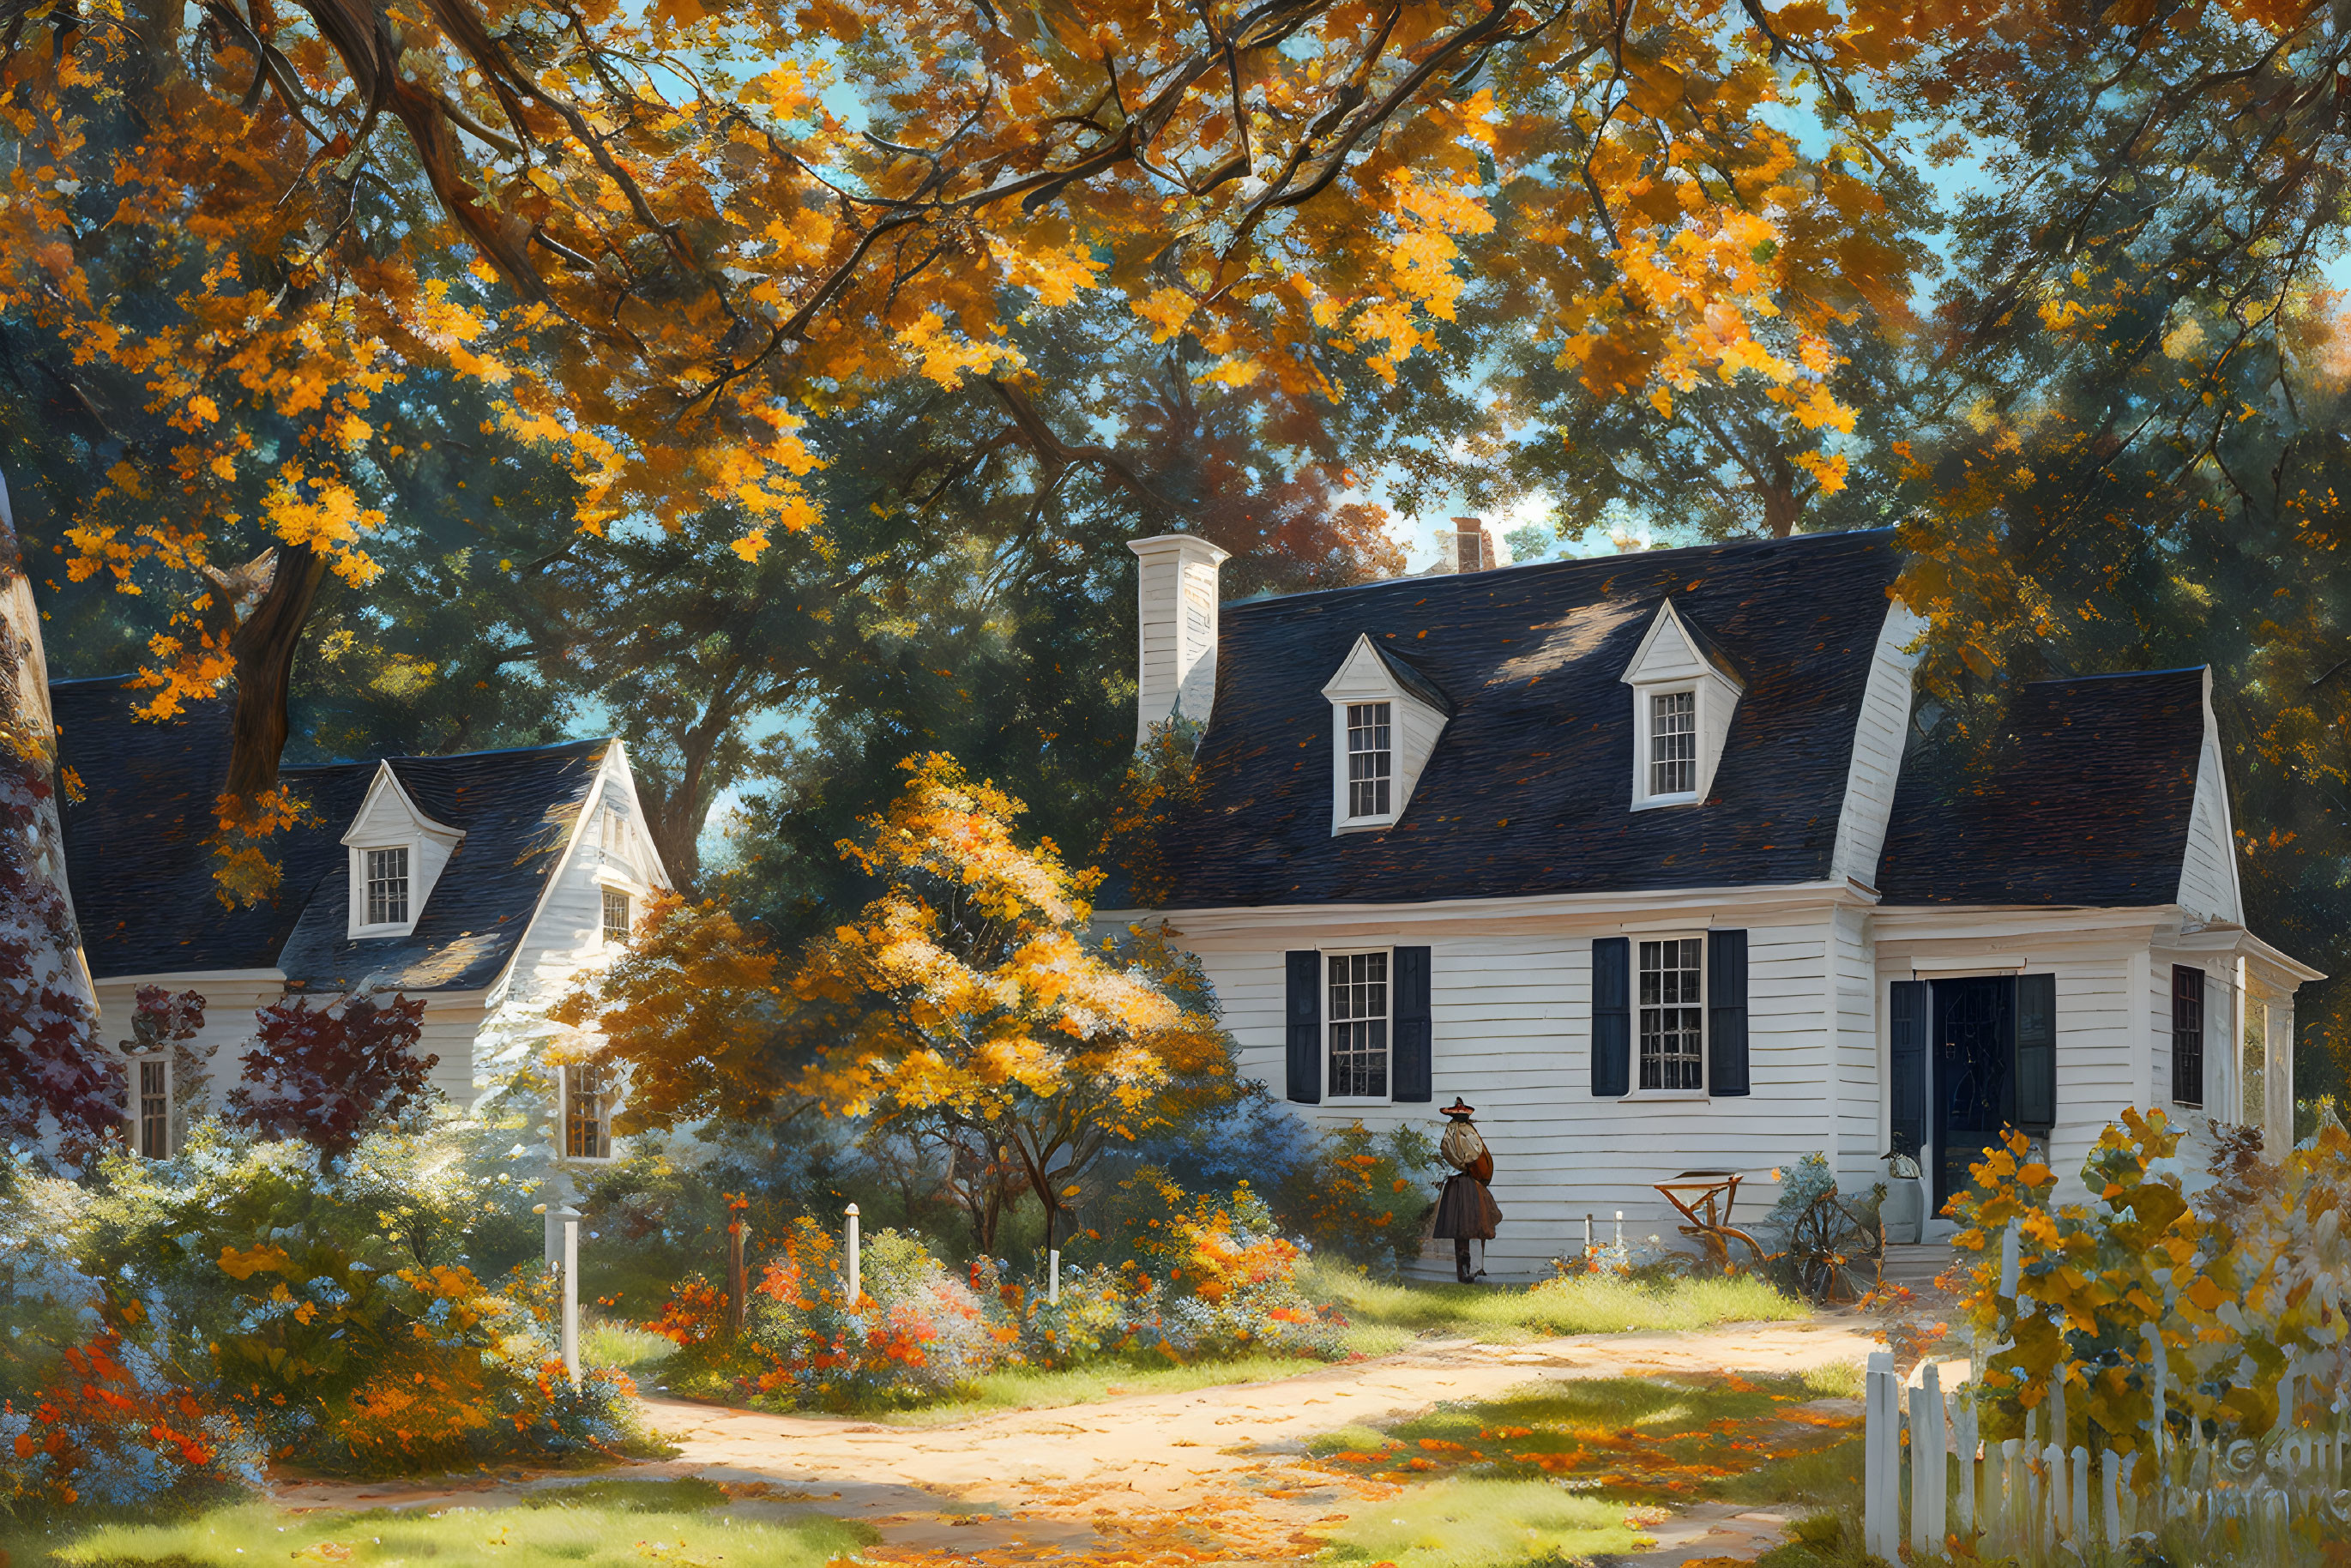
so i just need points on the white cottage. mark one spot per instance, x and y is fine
(474, 881)
(1625, 851)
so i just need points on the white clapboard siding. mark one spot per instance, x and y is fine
(1880, 733)
(2223, 1018)
(228, 1032)
(1511, 1020)
(1860, 1114)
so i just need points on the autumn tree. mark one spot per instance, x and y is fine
(328, 1075)
(973, 998)
(696, 1014)
(242, 233)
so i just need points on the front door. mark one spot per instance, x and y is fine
(1974, 1046)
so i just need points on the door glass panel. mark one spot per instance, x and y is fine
(1975, 1064)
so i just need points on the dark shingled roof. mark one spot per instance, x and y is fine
(1527, 788)
(143, 878)
(2090, 803)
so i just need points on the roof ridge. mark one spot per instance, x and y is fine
(2117, 675)
(1570, 563)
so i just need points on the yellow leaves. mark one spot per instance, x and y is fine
(1167, 310)
(245, 1263)
(947, 359)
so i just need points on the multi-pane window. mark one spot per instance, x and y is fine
(387, 886)
(588, 1094)
(1673, 1014)
(1359, 1026)
(1370, 759)
(616, 915)
(1673, 743)
(154, 1107)
(2187, 1035)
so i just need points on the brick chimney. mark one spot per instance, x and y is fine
(1473, 546)
(1178, 619)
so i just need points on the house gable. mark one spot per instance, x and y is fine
(2210, 888)
(1880, 734)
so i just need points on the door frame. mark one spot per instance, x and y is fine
(1932, 1167)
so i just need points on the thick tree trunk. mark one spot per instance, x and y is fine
(264, 646)
(54, 1082)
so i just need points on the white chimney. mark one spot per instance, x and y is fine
(1178, 619)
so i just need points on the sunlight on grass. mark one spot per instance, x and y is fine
(632, 1349)
(1383, 1316)
(1029, 1388)
(1652, 1440)
(1466, 1523)
(603, 1525)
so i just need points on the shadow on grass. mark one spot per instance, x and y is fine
(1384, 1316)
(596, 1524)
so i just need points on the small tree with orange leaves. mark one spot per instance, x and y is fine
(972, 997)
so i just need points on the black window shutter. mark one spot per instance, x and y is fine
(1305, 1021)
(1409, 1060)
(1907, 1018)
(1726, 1012)
(2036, 1052)
(1612, 1017)
(2187, 1035)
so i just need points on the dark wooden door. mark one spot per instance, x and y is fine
(1974, 1046)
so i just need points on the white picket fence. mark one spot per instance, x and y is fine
(1929, 1478)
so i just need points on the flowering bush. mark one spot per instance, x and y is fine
(1363, 1195)
(327, 1075)
(1219, 1279)
(2241, 1282)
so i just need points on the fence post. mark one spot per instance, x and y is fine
(1620, 1230)
(1963, 1427)
(1929, 1474)
(737, 1284)
(2112, 1463)
(1053, 1275)
(856, 1281)
(2082, 1498)
(2007, 1508)
(1881, 1530)
(569, 1216)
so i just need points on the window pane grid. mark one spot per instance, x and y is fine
(1673, 743)
(587, 1120)
(1673, 1014)
(1359, 1026)
(154, 1110)
(1368, 759)
(616, 916)
(2187, 1035)
(387, 886)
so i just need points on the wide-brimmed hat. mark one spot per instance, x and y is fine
(1458, 1108)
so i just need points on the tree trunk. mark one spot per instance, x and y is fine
(263, 647)
(56, 1085)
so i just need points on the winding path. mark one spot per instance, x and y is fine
(1212, 1475)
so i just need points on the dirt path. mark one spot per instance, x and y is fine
(1162, 1476)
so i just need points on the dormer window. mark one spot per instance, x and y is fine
(1370, 759)
(397, 853)
(1683, 693)
(387, 886)
(1385, 717)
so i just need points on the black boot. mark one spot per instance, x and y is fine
(1461, 1259)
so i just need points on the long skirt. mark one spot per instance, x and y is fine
(1464, 1208)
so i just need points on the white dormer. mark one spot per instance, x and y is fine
(1683, 696)
(397, 855)
(1386, 718)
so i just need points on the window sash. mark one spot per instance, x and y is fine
(1673, 743)
(1370, 757)
(616, 915)
(1359, 1017)
(154, 1108)
(2187, 1035)
(387, 886)
(587, 1111)
(1672, 1006)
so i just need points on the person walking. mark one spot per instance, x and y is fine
(1465, 1208)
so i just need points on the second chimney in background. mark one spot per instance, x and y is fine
(1473, 546)
(1177, 622)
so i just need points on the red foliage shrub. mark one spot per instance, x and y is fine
(326, 1075)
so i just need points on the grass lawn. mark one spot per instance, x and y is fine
(1383, 1317)
(601, 1524)
(1610, 1444)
